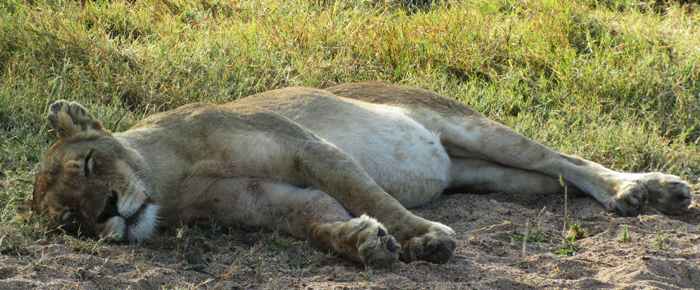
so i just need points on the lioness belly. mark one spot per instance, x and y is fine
(403, 157)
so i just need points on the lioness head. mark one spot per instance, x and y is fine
(91, 183)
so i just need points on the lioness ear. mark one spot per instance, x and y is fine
(69, 119)
(71, 168)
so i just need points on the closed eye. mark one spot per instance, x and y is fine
(88, 164)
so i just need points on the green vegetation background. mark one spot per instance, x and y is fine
(617, 82)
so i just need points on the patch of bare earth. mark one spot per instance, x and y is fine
(657, 251)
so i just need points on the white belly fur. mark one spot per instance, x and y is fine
(402, 156)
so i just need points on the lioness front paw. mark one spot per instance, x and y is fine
(630, 197)
(379, 251)
(376, 248)
(436, 246)
(668, 193)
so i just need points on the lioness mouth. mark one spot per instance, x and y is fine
(141, 224)
(134, 218)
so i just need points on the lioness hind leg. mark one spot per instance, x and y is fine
(625, 193)
(482, 176)
(466, 134)
(70, 119)
(320, 218)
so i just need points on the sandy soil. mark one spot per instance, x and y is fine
(663, 252)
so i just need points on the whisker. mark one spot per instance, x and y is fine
(137, 180)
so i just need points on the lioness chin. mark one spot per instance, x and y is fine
(337, 166)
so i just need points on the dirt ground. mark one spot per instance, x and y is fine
(657, 252)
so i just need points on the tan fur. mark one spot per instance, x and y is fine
(336, 166)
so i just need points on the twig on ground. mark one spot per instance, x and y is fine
(205, 272)
(527, 232)
(502, 224)
(566, 202)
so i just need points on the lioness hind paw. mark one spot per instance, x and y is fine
(68, 119)
(668, 193)
(436, 246)
(630, 197)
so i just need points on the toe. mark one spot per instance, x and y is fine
(379, 249)
(634, 202)
(437, 246)
(629, 199)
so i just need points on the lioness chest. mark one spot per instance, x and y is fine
(401, 155)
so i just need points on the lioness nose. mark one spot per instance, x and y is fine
(110, 209)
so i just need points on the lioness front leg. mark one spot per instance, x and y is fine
(305, 213)
(321, 219)
(337, 174)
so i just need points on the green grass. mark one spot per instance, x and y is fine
(617, 82)
(569, 247)
(369, 276)
(661, 243)
(626, 236)
(535, 237)
(575, 232)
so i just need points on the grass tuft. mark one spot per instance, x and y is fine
(661, 243)
(575, 232)
(533, 237)
(626, 236)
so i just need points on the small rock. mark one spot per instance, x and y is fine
(209, 247)
(195, 257)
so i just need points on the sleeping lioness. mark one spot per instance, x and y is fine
(337, 166)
